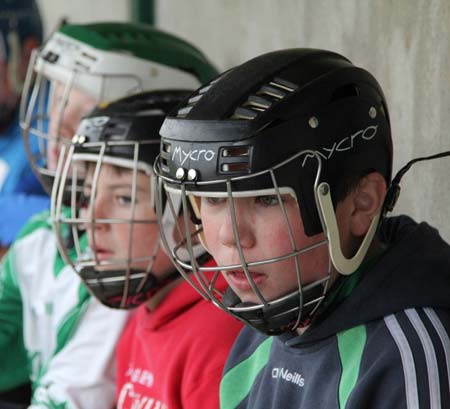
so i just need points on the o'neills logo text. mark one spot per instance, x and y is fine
(345, 144)
(195, 155)
(286, 375)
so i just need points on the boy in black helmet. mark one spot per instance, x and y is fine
(284, 163)
(169, 355)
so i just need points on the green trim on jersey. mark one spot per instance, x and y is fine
(48, 404)
(146, 43)
(14, 361)
(18, 365)
(70, 321)
(344, 286)
(351, 345)
(238, 381)
(65, 331)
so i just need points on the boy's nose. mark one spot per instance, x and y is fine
(95, 212)
(240, 230)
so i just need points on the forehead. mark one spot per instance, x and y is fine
(72, 98)
(111, 174)
(275, 191)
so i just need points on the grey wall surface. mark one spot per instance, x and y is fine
(404, 43)
(82, 11)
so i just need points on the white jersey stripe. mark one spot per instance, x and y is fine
(409, 369)
(430, 357)
(443, 336)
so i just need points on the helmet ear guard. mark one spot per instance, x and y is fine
(342, 264)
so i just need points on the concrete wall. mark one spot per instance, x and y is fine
(82, 11)
(404, 43)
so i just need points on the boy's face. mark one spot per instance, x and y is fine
(263, 234)
(64, 119)
(113, 200)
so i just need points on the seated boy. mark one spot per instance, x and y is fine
(284, 163)
(51, 330)
(170, 354)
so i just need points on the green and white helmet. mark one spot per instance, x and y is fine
(103, 61)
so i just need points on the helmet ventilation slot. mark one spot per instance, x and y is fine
(182, 112)
(346, 91)
(264, 98)
(234, 167)
(166, 147)
(235, 159)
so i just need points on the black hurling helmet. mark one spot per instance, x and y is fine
(294, 122)
(123, 134)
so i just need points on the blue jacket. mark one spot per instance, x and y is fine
(21, 194)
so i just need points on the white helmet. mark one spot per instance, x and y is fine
(104, 61)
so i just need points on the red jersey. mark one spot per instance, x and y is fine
(173, 357)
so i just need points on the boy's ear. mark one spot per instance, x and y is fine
(367, 201)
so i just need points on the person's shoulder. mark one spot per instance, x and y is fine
(250, 344)
(410, 332)
(417, 349)
(421, 329)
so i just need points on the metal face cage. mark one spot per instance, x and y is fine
(120, 280)
(285, 312)
(46, 94)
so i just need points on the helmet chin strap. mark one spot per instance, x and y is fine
(279, 315)
(343, 265)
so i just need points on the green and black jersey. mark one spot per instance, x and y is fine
(52, 331)
(385, 345)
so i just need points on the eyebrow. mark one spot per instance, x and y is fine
(119, 186)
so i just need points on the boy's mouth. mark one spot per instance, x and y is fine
(102, 254)
(239, 280)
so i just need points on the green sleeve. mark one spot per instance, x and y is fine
(14, 369)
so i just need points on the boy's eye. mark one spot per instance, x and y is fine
(267, 201)
(124, 200)
(212, 201)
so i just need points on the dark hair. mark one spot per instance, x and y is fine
(22, 16)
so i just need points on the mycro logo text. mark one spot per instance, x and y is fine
(344, 144)
(195, 155)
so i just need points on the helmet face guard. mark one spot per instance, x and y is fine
(44, 107)
(125, 279)
(267, 315)
(45, 119)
